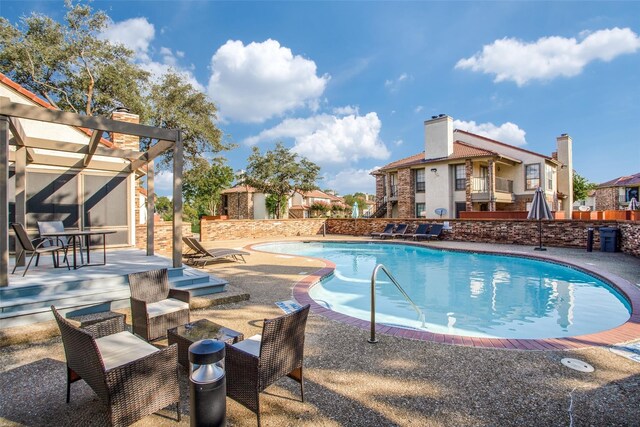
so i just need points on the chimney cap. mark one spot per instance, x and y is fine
(121, 109)
(564, 134)
(434, 117)
(441, 115)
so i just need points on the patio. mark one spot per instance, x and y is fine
(351, 382)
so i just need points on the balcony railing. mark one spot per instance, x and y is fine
(481, 185)
(393, 191)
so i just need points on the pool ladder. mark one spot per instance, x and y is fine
(373, 339)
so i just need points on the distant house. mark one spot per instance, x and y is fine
(461, 171)
(588, 204)
(245, 202)
(59, 186)
(617, 193)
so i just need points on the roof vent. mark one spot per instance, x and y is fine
(441, 115)
(434, 117)
(564, 134)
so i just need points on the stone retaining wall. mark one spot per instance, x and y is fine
(253, 229)
(163, 236)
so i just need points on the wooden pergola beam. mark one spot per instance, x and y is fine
(4, 200)
(96, 135)
(23, 111)
(70, 147)
(18, 132)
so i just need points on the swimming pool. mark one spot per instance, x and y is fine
(463, 293)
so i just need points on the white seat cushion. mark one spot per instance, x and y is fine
(165, 306)
(251, 345)
(121, 348)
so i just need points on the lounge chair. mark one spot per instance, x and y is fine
(387, 229)
(400, 231)
(254, 364)
(210, 255)
(131, 377)
(421, 231)
(434, 232)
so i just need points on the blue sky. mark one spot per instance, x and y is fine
(349, 84)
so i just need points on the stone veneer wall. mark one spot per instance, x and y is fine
(163, 236)
(254, 229)
(406, 193)
(606, 198)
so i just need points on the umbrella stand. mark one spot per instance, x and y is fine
(540, 248)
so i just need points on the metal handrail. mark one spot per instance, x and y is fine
(373, 339)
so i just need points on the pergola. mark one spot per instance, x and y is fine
(84, 157)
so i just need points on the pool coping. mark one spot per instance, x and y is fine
(628, 331)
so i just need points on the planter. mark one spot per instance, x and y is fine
(634, 215)
(214, 217)
(615, 215)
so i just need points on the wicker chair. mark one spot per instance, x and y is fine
(154, 306)
(254, 364)
(133, 383)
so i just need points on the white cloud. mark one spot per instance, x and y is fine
(398, 142)
(549, 57)
(346, 110)
(259, 81)
(163, 183)
(508, 132)
(418, 109)
(349, 181)
(137, 34)
(330, 139)
(394, 85)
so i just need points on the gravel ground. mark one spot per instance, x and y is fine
(349, 382)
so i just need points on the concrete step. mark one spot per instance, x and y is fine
(31, 304)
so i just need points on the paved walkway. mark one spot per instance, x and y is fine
(350, 382)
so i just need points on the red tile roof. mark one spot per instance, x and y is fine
(239, 189)
(461, 150)
(502, 143)
(623, 181)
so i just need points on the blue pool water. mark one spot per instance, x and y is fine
(463, 293)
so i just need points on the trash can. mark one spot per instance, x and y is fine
(207, 384)
(609, 239)
(590, 239)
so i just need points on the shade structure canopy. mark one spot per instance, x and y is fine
(539, 210)
(354, 212)
(633, 204)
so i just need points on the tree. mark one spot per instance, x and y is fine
(280, 172)
(203, 184)
(69, 65)
(74, 69)
(272, 203)
(164, 208)
(360, 198)
(581, 187)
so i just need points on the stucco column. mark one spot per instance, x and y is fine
(492, 185)
(468, 170)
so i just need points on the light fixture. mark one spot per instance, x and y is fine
(434, 170)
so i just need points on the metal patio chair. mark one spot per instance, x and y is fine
(35, 247)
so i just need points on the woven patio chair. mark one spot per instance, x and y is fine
(130, 376)
(35, 247)
(254, 364)
(155, 307)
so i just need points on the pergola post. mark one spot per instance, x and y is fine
(4, 201)
(150, 207)
(177, 201)
(21, 190)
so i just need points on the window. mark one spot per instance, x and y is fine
(549, 178)
(532, 176)
(420, 210)
(461, 178)
(419, 180)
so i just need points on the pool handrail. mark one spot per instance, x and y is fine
(378, 267)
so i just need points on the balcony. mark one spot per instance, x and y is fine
(503, 191)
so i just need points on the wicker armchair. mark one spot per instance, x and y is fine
(154, 306)
(254, 364)
(130, 376)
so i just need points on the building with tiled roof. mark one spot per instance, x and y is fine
(460, 171)
(618, 192)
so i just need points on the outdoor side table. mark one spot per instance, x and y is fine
(93, 318)
(185, 335)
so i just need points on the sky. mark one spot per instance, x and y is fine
(349, 84)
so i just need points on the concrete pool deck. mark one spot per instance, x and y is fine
(349, 382)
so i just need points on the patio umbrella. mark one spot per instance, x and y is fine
(354, 212)
(633, 204)
(539, 210)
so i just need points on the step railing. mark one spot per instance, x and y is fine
(372, 338)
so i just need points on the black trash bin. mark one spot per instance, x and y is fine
(609, 239)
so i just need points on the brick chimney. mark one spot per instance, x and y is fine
(438, 137)
(123, 141)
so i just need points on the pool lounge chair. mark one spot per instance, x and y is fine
(387, 229)
(435, 232)
(421, 231)
(400, 231)
(210, 255)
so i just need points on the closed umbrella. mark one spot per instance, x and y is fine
(633, 204)
(540, 210)
(354, 212)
